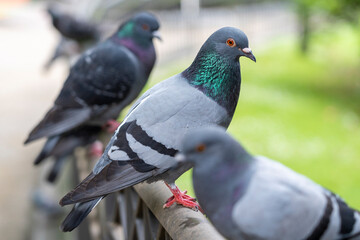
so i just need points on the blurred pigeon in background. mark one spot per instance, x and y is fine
(248, 197)
(73, 28)
(144, 145)
(76, 34)
(104, 80)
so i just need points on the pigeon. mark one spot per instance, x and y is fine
(248, 197)
(73, 28)
(76, 35)
(103, 81)
(144, 145)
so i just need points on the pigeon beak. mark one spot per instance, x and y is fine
(179, 161)
(180, 158)
(157, 35)
(248, 53)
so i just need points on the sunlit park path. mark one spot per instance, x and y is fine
(26, 41)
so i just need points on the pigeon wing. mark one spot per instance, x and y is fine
(146, 141)
(102, 76)
(282, 204)
(99, 79)
(57, 121)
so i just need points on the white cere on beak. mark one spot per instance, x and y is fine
(246, 50)
(179, 157)
(156, 34)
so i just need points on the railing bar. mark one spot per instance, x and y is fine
(110, 207)
(160, 233)
(140, 229)
(131, 212)
(105, 226)
(123, 217)
(167, 236)
(83, 231)
(151, 223)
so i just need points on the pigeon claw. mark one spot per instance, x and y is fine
(181, 198)
(111, 125)
(185, 202)
(96, 149)
(184, 196)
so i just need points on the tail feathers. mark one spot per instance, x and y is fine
(59, 120)
(63, 145)
(113, 177)
(78, 214)
(58, 53)
(56, 169)
(47, 149)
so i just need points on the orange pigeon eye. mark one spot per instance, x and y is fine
(200, 148)
(145, 27)
(230, 42)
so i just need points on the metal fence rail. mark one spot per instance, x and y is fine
(125, 216)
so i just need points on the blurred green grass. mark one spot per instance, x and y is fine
(302, 110)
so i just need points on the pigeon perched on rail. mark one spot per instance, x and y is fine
(248, 197)
(104, 80)
(144, 145)
(76, 34)
(73, 28)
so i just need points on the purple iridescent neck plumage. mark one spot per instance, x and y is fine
(146, 55)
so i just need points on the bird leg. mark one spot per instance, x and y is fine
(181, 198)
(96, 149)
(111, 125)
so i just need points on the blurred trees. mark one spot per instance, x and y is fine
(322, 11)
(329, 10)
(348, 10)
(345, 9)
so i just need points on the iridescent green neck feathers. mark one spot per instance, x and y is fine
(217, 77)
(129, 31)
(126, 30)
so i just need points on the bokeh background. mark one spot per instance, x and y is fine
(299, 104)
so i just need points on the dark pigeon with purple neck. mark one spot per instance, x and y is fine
(102, 82)
(134, 36)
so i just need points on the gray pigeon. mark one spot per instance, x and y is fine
(144, 145)
(104, 80)
(248, 197)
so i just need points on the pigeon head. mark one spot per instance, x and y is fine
(230, 43)
(142, 28)
(222, 171)
(200, 144)
(209, 148)
(216, 68)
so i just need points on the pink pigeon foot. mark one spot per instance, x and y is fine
(96, 149)
(181, 198)
(111, 126)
